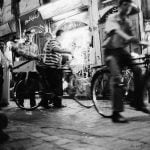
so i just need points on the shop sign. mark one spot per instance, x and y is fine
(32, 21)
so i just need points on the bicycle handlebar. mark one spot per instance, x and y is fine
(144, 43)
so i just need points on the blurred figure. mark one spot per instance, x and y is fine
(118, 36)
(7, 64)
(1, 68)
(3, 118)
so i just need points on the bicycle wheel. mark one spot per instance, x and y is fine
(27, 95)
(79, 90)
(101, 93)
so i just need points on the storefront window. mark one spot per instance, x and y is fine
(78, 42)
(77, 39)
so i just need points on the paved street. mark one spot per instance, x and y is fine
(74, 128)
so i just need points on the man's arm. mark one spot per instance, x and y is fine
(62, 51)
(127, 37)
(113, 26)
(21, 51)
(54, 46)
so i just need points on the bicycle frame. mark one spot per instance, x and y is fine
(99, 82)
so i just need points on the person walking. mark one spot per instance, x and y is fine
(118, 36)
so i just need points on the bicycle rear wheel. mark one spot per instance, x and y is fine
(101, 93)
(27, 95)
(79, 90)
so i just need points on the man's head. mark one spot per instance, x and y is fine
(29, 36)
(120, 2)
(59, 33)
(125, 6)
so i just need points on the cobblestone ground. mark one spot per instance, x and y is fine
(74, 128)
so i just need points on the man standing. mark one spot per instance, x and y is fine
(25, 50)
(118, 36)
(53, 56)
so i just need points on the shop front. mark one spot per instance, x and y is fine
(77, 39)
(73, 16)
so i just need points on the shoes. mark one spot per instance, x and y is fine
(143, 109)
(59, 106)
(4, 104)
(45, 106)
(117, 118)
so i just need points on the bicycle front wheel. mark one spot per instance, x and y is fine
(27, 95)
(79, 91)
(101, 93)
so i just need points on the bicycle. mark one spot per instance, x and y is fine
(100, 85)
(76, 90)
(28, 87)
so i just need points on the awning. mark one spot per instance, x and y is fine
(5, 29)
(62, 6)
(103, 13)
(135, 9)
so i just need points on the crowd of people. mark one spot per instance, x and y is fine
(49, 66)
